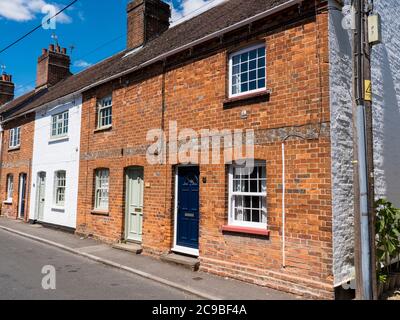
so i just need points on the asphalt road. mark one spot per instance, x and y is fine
(22, 260)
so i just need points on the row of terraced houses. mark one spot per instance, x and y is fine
(74, 149)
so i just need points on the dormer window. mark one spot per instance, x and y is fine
(247, 71)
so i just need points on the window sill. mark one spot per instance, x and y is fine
(58, 139)
(58, 209)
(105, 128)
(255, 97)
(14, 148)
(246, 230)
(8, 202)
(97, 212)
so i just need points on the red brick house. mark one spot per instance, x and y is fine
(272, 67)
(185, 74)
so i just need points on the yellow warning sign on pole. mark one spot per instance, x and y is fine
(368, 90)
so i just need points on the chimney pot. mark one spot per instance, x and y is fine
(147, 19)
(6, 89)
(53, 66)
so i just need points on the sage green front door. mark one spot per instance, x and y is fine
(40, 197)
(134, 204)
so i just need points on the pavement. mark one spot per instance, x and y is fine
(182, 281)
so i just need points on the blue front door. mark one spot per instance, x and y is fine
(188, 207)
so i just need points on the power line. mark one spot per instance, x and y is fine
(112, 40)
(36, 28)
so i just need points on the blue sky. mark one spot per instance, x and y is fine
(96, 28)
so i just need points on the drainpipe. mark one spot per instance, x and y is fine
(283, 207)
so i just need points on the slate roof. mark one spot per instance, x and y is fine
(209, 22)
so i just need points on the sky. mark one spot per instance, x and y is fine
(95, 28)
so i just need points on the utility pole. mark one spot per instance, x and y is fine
(364, 217)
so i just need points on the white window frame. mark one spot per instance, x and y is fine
(231, 215)
(61, 121)
(10, 187)
(60, 188)
(101, 107)
(233, 54)
(101, 187)
(15, 138)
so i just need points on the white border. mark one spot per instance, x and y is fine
(20, 178)
(247, 49)
(246, 224)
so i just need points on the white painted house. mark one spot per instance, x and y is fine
(55, 163)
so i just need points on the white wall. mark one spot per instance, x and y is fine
(385, 72)
(51, 156)
(385, 68)
(340, 56)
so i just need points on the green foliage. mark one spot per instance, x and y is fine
(382, 278)
(387, 233)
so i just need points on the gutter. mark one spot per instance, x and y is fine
(163, 56)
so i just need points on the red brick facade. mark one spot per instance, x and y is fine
(16, 162)
(192, 89)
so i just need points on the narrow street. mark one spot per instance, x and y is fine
(22, 260)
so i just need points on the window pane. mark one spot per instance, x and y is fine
(251, 68)
(244, 56)
(102, 187)
(249, 202)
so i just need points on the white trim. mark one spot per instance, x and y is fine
(14, 136)
(10, 187)
(175, 247)
(58, 139)
(56, 136)
(231, 193)
(230, 71)
(186, 250)
(161, 57)
(22, 176)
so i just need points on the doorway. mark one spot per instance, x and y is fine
(187, 211)
(40, 195)
(22, 195)
(134, 192)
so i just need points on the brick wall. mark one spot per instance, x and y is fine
(16, 162)
(192, 91)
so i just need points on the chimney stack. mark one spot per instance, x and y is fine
(6, 88)
(53, 66)
(147, 19)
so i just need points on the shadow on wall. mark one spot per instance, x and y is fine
(391, 130)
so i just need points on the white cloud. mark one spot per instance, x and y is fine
(82, 64)
(191, 8)
(26, 10)
(22, 89)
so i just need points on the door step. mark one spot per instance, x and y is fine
(129, 247)
(182, 260)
